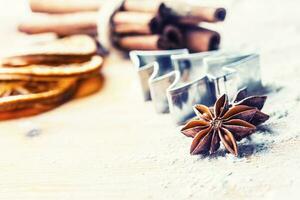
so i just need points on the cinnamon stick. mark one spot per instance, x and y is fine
(136, 22)
(132, 28)
(61, 24)
(138, 42)
(130, 17)
(200, 39)
(184, 13)
(141, 5)
(171, 38)
(196, 39)
(64, 6)
(132, 22)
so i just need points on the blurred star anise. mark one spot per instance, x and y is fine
(225, 122)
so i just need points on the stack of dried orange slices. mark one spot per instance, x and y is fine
(47, 75)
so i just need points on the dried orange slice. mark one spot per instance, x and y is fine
(26, 112)
(63, 70)
(19, 94)
(21, 97)
(89, 85)
(72, 49)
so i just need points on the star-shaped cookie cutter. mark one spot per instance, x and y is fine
(176, 80)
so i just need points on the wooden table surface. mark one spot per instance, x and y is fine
(112, 145)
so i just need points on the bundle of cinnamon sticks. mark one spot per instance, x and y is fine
(136, 25)
(154, 25)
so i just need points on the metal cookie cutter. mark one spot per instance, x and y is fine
(195, 78)
(203, 77)
(156, 74)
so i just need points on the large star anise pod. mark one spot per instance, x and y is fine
(225, 122)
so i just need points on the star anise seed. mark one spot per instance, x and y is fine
(225, 122)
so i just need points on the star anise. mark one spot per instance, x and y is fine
(225, 122)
